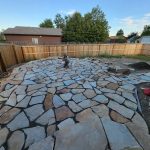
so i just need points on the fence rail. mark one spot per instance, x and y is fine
(15, 54)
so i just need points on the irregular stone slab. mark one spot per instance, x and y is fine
(51, 90)
(66, 96)
(115, 97)
(72, 137)
(48, 104)
(105, 90)
(66, 123)
(110, 79)
(130, 105)
(24, 103)
(57, 101)
(129, 96)
(20, 121)
(34, 111)
(2, 99)
(63, 91)
(55, 84)
(101, 99)
(20, 97)
(93, 84)
(139, 121)
(51, 130)
(35, 87)
(9, 115)
(12, 100)
(97, 91)
(128, 87)
(79, 98)
(45, 144)
(27, 82)
(72, 86)
(63, 113)
(87, 103)
(142, 137)
(102, 83)
(89, 93)
(87, 85)
(112, 86)
(37, 99)
(119, 136)
(77, 91)
(86, 115)
(3, 135)
(69, 82)
(101, 110)
(8, 92)
(47, 118)
(34, 134)
(4, 109)
(16, 141)
(21, 90)
(118, 118)
(74, 107)
(124, 111)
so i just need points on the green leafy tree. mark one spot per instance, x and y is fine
(73, 29)
(59, 21)
(146, 30)
(2, 37)
(96, 27)
(92, 27)
(120, 33)
(47, 23)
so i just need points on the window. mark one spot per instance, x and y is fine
(35, 40)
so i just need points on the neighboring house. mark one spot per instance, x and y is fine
(33, 35)
(133, 39)
(117, 39)
(144, 40)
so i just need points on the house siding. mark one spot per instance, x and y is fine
(27, 39)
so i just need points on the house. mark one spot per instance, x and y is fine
(117, 39)
(144, 40)
(33, 35)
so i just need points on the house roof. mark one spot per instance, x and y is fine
(33, 31)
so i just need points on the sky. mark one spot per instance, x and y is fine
(129, 15)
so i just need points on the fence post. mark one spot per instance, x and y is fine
(13, 46)
(3, 66)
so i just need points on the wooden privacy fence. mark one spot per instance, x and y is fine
(15, 54)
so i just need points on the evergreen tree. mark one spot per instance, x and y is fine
(146, 30)
(59, 21)
(47, 23)
(120, 33)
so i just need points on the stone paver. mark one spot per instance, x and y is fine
(34, 134)
(119, 136)
(3, 135)
(34, 111)
(16, 141)
(45, 144)
(44, 106)
(72, 137)
(63, 113)
(47, 118)
(20, 121)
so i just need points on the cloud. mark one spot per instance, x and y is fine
(132, 24)
(68, 12)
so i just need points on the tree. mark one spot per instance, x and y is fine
(120, 33)
(146, 30)
(59, 21)
(73, 29)
(133, 34)
(47, 23)
(2, 37)
(92, 27)
(95, 26)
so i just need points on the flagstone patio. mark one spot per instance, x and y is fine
(46, 107)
